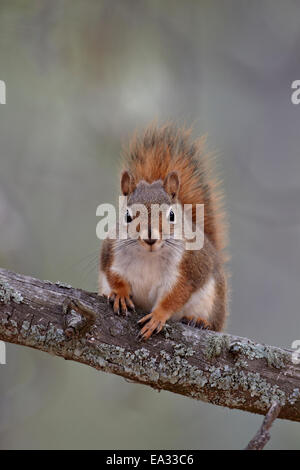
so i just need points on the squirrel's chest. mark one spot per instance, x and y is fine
(149, 275)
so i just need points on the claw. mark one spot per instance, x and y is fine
(123, 306)
(196, 322)
(130, 304)
(120, 303)
(153, 324)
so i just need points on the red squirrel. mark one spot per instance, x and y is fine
(161, 276)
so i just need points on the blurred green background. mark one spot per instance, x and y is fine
(81, 76)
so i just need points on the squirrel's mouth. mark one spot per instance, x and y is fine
(151, 245)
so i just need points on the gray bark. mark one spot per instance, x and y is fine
(218, 368)
(262, 436)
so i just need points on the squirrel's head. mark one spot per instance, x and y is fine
(150, 210)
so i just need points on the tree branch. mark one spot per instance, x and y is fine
(217, 368)
(263, 436)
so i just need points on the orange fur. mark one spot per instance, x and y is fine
(168, 155)
(199, 322)
(162, 150)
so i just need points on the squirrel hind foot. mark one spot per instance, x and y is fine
(196, 322)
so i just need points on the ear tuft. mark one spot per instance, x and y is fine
(171, 184)
(127, 183)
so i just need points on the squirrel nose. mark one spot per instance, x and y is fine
(150, 241)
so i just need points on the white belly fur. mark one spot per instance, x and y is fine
(200, 304)
(151, 275)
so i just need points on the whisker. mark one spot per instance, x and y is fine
(175, 245)
(121, 244)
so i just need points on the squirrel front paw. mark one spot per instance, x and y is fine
(155, 322)
(120, 303)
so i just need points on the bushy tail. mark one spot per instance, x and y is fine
(159, 150)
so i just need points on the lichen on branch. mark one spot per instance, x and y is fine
(218, 368)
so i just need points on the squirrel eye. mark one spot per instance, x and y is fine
(128, 217)
(171, 216)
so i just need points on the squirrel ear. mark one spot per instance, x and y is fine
(171, 184)
(127, 183)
